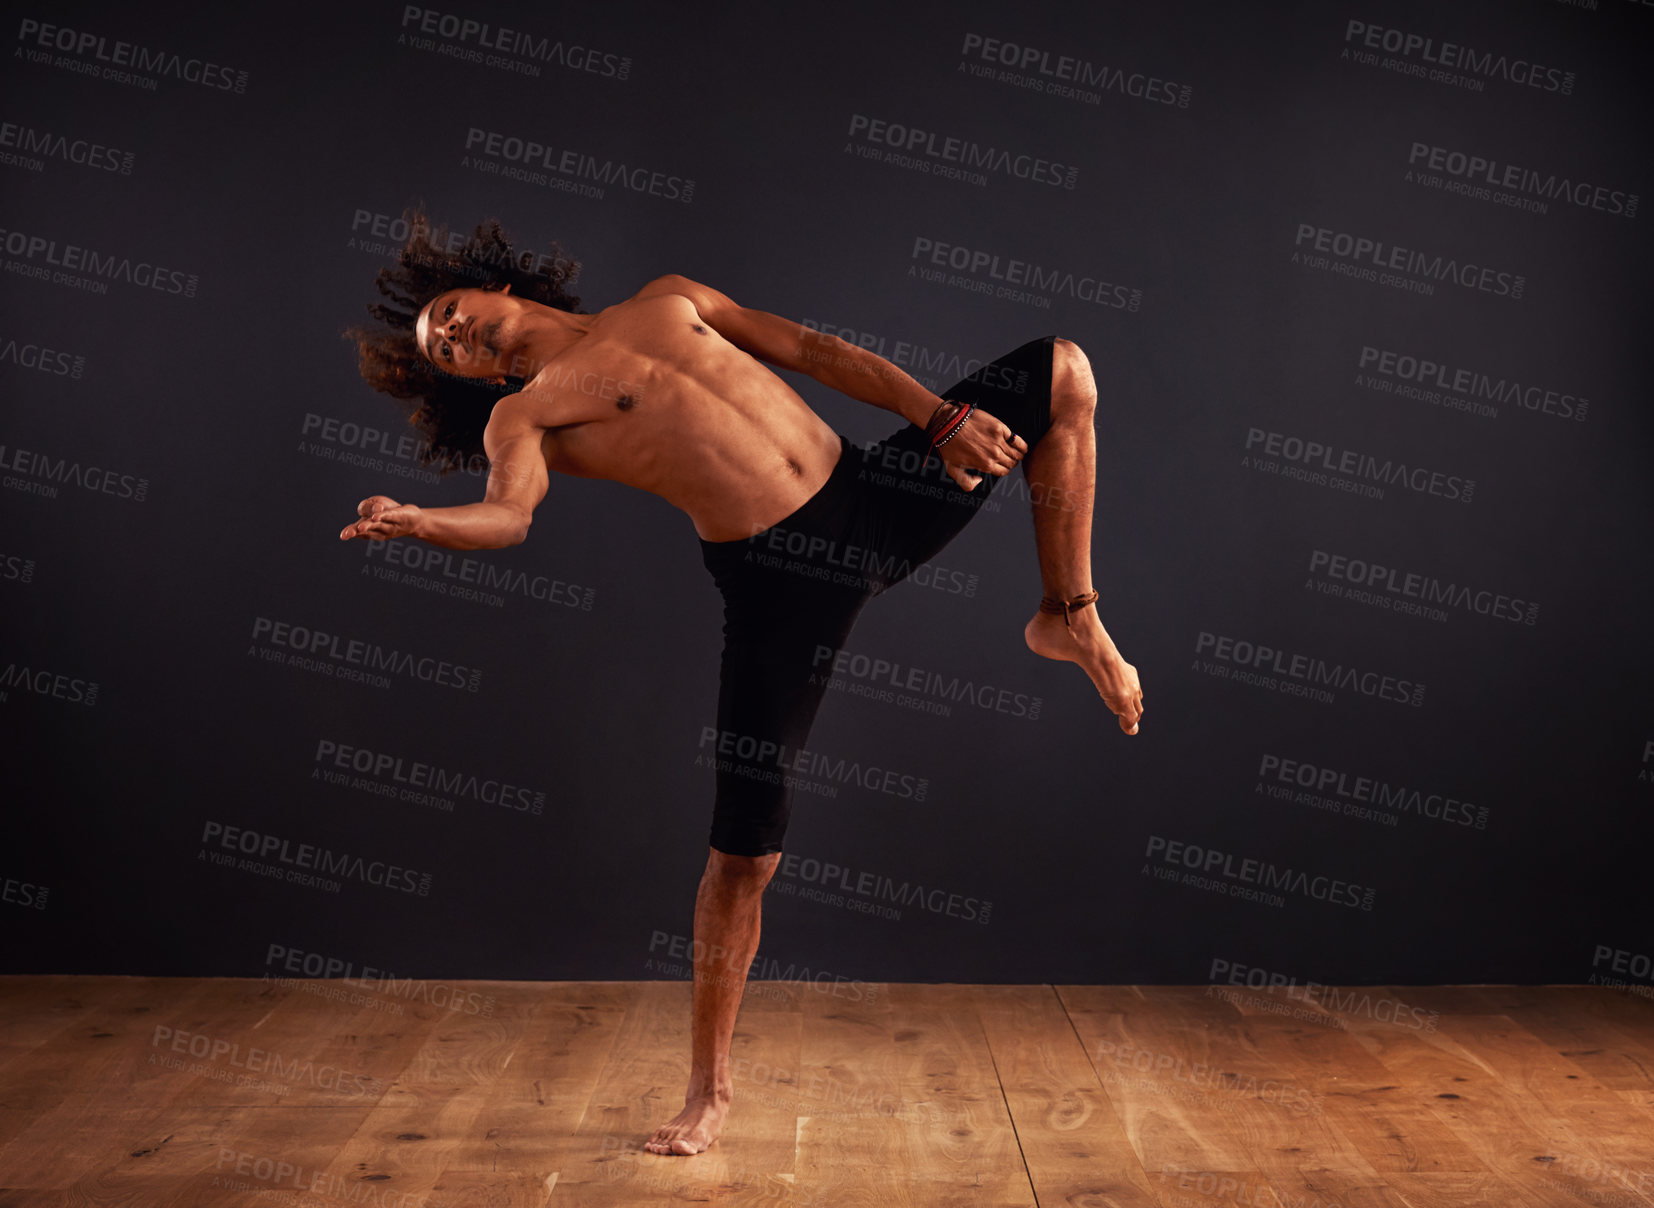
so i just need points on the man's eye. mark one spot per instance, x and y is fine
(449, 313)
(447, 353)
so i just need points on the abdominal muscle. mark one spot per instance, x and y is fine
(735, 462)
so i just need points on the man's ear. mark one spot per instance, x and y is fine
(506, 288)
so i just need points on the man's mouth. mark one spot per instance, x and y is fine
(465, 334)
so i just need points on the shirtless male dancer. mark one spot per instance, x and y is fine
(798, 527)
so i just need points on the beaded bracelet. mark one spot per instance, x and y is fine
(949, 429)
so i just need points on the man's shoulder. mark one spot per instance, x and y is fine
(676, 284)
(513, 415)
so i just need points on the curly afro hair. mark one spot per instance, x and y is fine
(451, 412)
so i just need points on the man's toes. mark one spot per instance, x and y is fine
(684, 1145)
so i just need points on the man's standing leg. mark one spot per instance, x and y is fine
(778, 623)
(1061, 469)
(726, 940)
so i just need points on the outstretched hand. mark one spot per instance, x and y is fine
(983, 446)
(382, 519)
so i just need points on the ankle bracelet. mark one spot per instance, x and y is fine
(1053, 604)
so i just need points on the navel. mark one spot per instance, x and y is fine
(794, 467)
(625, 402)
(698, 328)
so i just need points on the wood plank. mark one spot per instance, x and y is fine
(1074, 1145)
(428, 1107)
(1466, 1094)
(1167, 1062)
(1354, 1093)
(516, 1148)
(953, 1109)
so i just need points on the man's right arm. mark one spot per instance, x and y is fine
(517, 482)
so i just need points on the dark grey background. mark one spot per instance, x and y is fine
(206, 397)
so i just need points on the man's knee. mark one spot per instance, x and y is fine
(741, 875)
(1072, 385)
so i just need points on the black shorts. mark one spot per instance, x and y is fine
(793, 592)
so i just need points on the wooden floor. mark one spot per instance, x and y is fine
(141, 1091)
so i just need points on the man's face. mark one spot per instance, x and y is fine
(459, 330)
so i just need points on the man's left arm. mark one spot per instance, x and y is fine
(832, 361)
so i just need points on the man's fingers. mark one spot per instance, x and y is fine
(373, 530)
(375, 503)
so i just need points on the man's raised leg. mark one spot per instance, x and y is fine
(1062, 482)
(726, 940)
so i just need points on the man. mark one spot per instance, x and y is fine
(665, 391)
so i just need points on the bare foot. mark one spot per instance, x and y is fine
(690, 1131)
(1088, 644)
